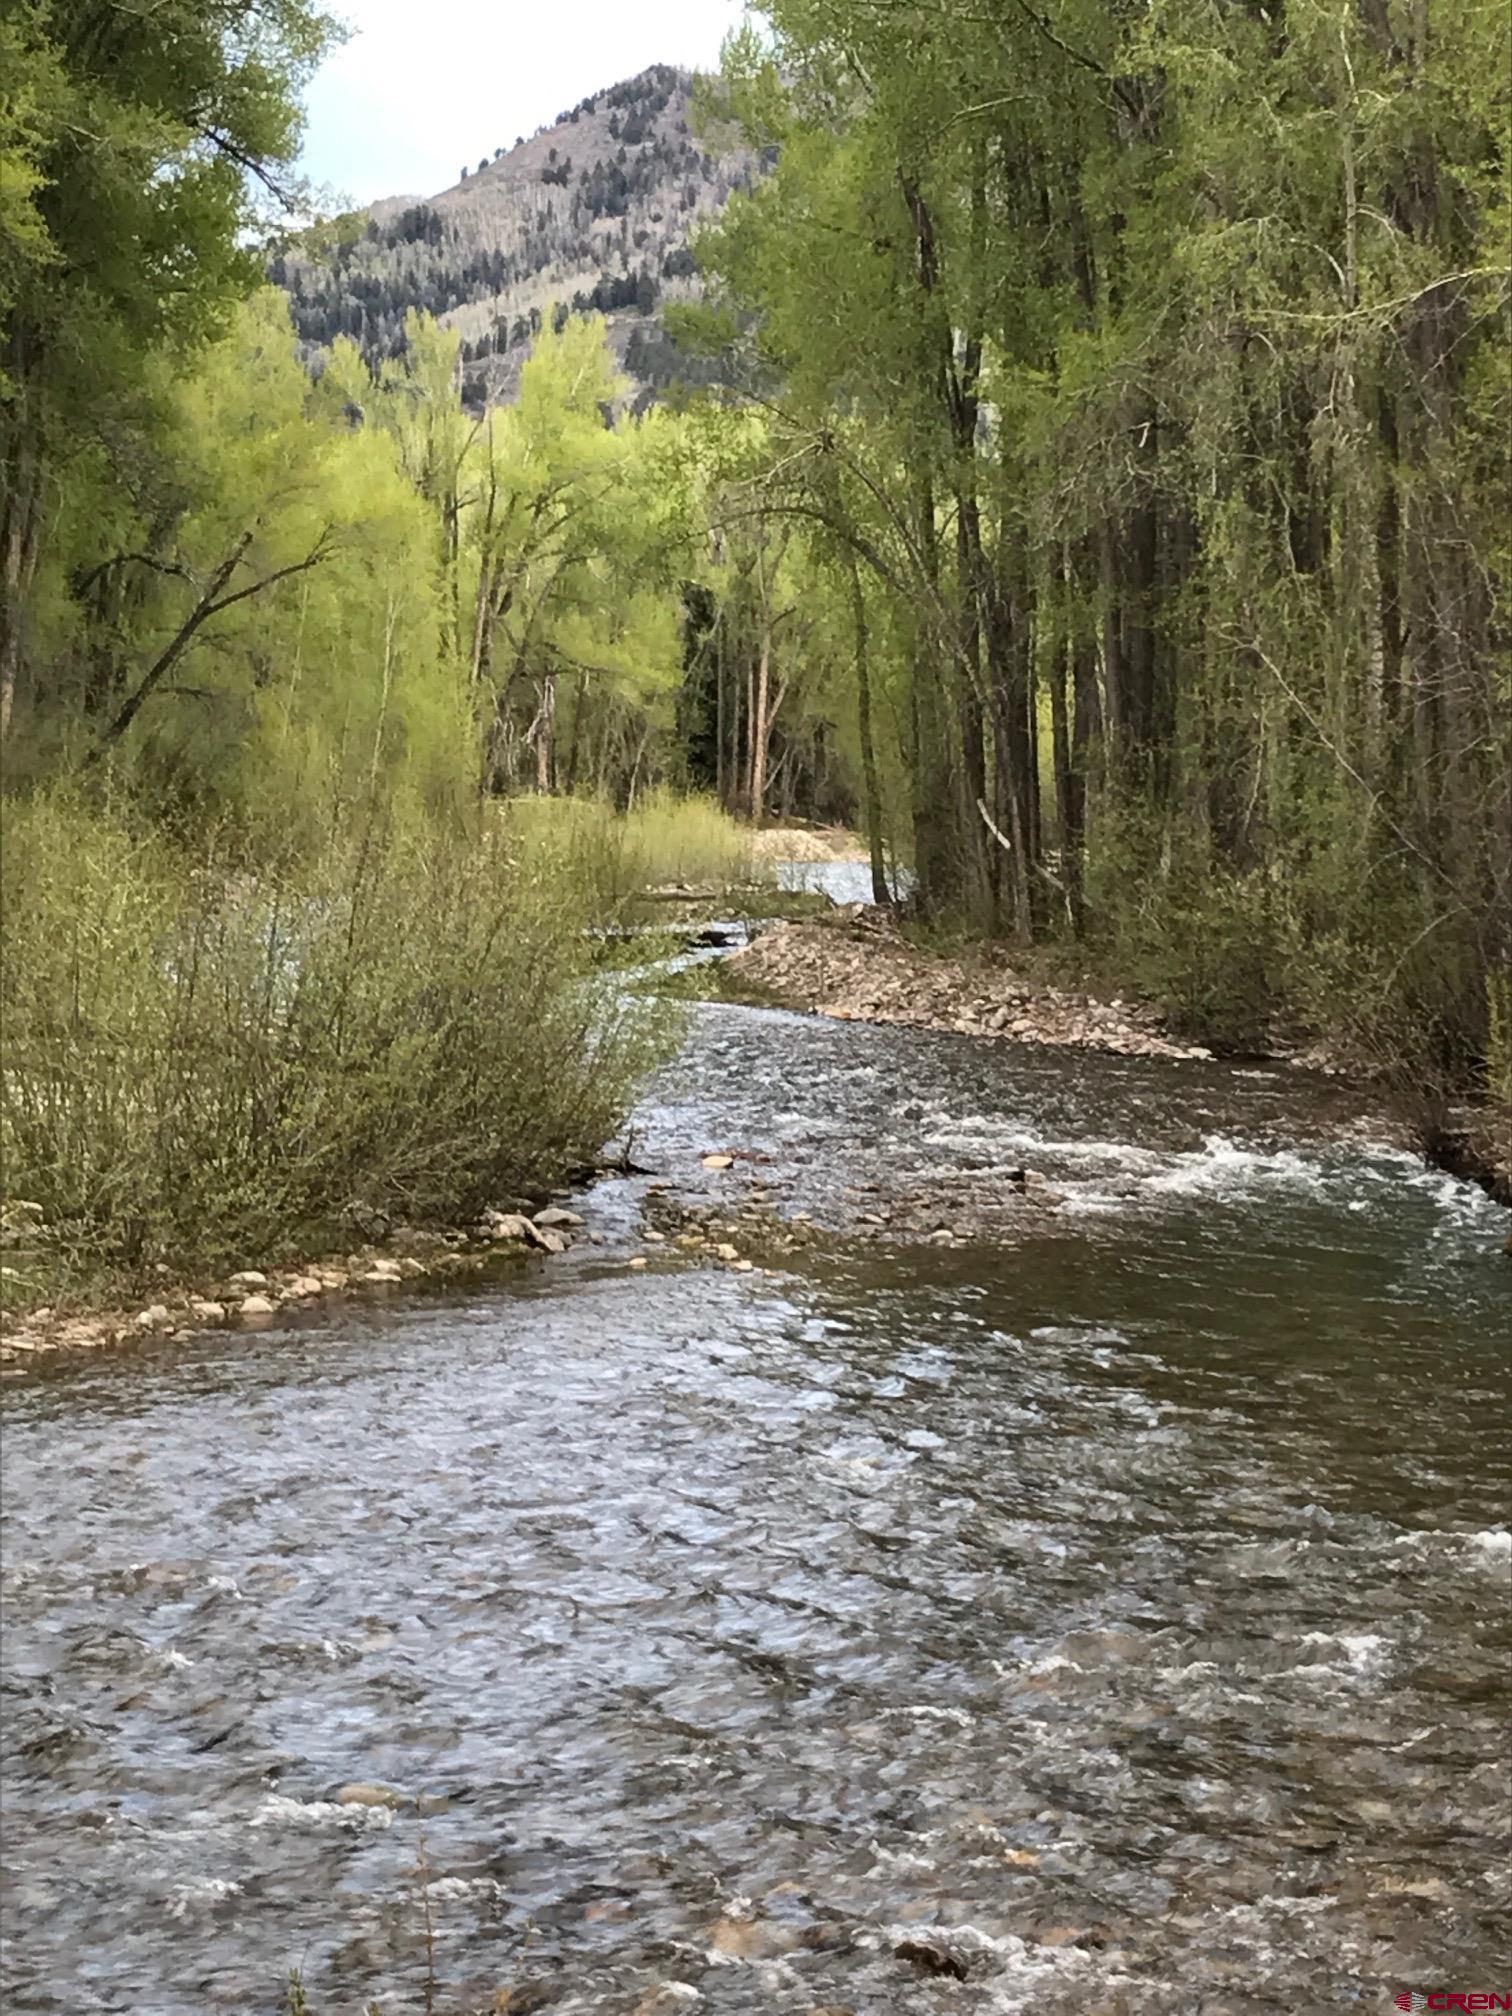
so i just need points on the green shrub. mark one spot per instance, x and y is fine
(203, 1066)
(1211, 945)
(671, 839)
(610, 857)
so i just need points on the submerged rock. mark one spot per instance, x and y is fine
(360, 1794)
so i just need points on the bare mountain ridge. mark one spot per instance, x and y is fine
(595, 211)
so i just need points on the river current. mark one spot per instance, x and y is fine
(1111, 1610)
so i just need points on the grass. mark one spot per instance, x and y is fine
(206, 1068)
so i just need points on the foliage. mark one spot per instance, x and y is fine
(665, 840)
(134, 145)
(1151, 368)
(1099, 492)
(211, 1068)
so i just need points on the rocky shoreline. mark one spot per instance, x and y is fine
(858, 966)
(254, 1298)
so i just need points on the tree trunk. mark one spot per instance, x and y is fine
(545, 736)
(871, 791)
(760, 725)
(19, 523)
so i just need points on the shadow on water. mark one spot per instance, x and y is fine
(1111, 1611)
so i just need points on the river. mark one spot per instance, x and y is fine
(1111, 1609)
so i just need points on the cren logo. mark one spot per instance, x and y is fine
(1443, 1998)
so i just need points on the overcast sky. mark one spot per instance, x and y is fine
(423, 86)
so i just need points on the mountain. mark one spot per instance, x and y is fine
(593, 212)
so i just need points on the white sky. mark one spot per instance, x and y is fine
(419, 89)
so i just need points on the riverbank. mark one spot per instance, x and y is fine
(859, 966)
(253, 1298)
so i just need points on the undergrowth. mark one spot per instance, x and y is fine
(664, 841)
(207, 1065)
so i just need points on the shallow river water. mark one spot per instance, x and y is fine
(1113, 1612)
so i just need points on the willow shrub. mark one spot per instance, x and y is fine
(666, 839)
(204, 1066)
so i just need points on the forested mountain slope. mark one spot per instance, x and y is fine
(592, 212)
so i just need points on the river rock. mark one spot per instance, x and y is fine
(381, 1272)
(669, 1998)
(156, 1316)
(249, 1278)
(718, 1161)
(359, 1794)
(257, 1309)
(956, 1951)
(418, 1239)
(303, 1286)
(554, 1217)
(503, 1225)
(209, 1315)
(638, 1262)
(549, 1241)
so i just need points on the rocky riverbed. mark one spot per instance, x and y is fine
(782, 1600)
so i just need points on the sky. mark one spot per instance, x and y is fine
(419, 89)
